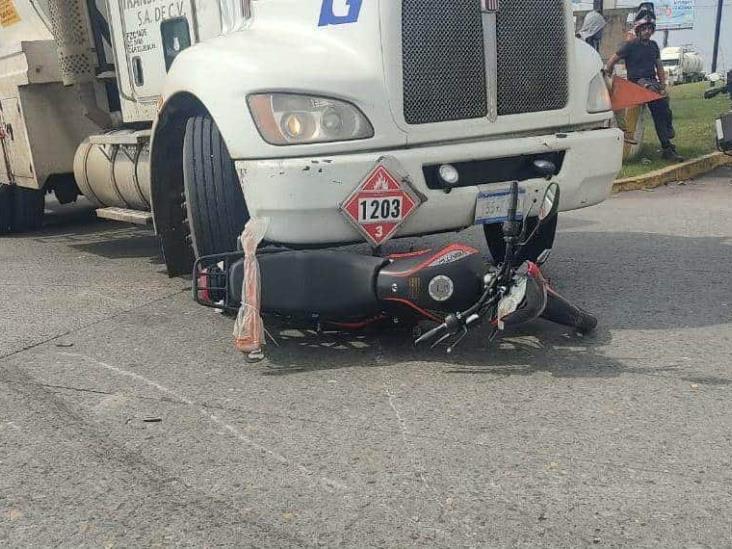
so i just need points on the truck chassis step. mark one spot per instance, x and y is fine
(135, 217)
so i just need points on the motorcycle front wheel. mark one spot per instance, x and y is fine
(533, 251)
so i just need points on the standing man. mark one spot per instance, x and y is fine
(592, 26)
(643, 61)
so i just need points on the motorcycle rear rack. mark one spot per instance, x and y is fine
(211, 281)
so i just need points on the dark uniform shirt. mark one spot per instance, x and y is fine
(640, 59)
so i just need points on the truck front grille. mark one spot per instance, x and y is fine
(532, 56)
(443, 61)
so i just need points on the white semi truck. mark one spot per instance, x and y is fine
(162, 111)
(682, 65)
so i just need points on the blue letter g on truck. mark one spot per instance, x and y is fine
(329, 17)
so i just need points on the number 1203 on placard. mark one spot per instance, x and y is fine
(375, 210)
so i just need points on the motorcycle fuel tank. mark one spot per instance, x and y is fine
(431, 283)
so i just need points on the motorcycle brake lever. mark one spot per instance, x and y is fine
(429, 335)
(458, 341)
(441, 340)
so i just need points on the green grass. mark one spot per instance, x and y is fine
(694, 119)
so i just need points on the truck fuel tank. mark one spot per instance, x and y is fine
(113, 169)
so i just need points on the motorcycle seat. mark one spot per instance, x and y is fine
(335, 285)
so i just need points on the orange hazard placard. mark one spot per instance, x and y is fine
(380, 205)
(8, 14)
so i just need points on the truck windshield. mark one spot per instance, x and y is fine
(670, 62)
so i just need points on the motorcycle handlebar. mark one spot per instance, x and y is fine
(454, 323)
(513, 207)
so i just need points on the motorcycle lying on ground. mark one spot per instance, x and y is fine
(449, 291)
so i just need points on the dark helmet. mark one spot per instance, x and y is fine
(647, 8)
(646, 16)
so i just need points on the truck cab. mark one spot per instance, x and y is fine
(220, 111)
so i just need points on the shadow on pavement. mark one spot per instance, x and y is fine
(106, 239)
(540, 347)
(76, 226)
(125, 243)
(646, 281)
(572, 223)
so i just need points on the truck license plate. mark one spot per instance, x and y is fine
(492, 206)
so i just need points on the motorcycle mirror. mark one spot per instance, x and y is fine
(550, 204)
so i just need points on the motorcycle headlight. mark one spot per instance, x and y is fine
(290, 119)
(599, 96)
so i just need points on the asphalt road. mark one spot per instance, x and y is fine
(127, 418)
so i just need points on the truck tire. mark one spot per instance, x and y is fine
(543, 241)
(214, 200)
(6, 208)
(28, 208)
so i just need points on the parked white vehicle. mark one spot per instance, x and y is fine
(682, 65)
(171, 107)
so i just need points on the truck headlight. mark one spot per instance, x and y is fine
(290, 119)
(599, 96)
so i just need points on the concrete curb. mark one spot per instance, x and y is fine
(679, 172)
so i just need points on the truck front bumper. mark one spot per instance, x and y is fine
(301, 196)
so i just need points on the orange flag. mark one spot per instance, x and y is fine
(625, 94)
